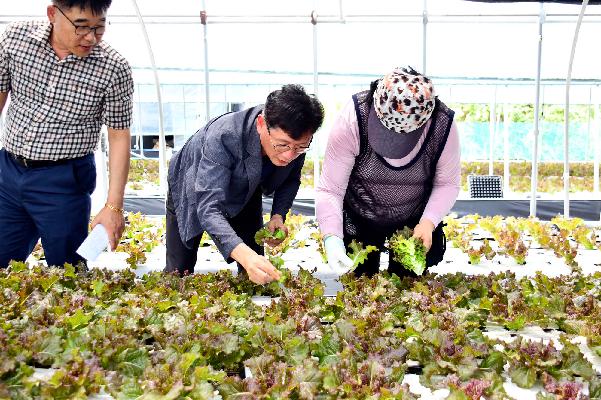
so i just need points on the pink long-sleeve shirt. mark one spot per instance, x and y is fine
(343, 148)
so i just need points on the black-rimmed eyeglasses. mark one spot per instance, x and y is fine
(282, 148)
(82, 30)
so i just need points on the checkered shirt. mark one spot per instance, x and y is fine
(57, 107)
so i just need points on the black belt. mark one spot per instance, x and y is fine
(27, 163)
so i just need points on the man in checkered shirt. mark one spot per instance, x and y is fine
(64, 84)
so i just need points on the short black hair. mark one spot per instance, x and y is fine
(97, 6)
(293, 110)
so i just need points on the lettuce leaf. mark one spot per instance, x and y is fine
(410, 252)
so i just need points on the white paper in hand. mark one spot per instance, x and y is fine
(96, 242)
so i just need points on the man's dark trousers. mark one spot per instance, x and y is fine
(49, 202)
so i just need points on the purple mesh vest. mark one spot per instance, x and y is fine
(384, 195)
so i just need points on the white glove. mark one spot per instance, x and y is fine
(338, 261)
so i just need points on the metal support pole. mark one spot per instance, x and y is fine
(589, 125)
(102, 179)
(203, 21)
(534, 161)
(185, 114)
(506, 119)
(492, 133)
(597, 147)
(566, 163)
(162, 155)
(424, 37)
(140, 134)
(315, 151)
(315, 52)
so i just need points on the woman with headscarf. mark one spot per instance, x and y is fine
(392, 160)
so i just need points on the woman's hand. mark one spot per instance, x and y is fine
(424, 230)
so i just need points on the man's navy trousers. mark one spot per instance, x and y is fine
(47, 200)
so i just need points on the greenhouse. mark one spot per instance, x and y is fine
(300, 200)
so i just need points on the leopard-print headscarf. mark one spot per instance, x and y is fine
(404, 100)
